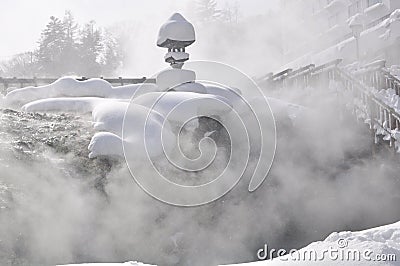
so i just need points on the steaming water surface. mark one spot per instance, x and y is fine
(58, 206)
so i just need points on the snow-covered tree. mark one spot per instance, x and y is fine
(51, 44)
(90, 49)
(111, 54)
(207, 11)
(70, 51)
(65, 48)
(20, 65)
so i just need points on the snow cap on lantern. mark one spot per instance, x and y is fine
(176, 34)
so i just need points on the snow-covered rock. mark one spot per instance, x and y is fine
(142, 126)
(105, 144)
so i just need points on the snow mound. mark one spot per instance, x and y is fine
(149, 108)
(63, 87)
(109, 116)
(376, 246)
(143, 126)
(70, 87)
(76, 105)
(172, 77)
(185, 103)
(105, 144)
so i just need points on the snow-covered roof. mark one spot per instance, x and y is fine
(357, 19)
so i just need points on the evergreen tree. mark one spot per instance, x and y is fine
(206, 10)
(51, 44)
(90, 50)
(20, 65)
(112, 54)
(65, 49)
(70, 56)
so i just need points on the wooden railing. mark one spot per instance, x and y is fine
(303, 76)
(381, 116)
(358, 84)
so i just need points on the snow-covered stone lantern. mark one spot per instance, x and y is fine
(175, 35)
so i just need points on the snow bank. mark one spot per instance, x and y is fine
(105, 144)
(164, 111)
(70, 87)
(185, 103)
(76, 104)
(109, 116)
(63, 87)
(142, 126)
(380, 244)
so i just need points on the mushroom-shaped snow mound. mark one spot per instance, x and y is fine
(178, 106)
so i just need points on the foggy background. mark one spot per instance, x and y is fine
(222, 30)
(57, 206)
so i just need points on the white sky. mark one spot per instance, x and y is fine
(21, 21)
